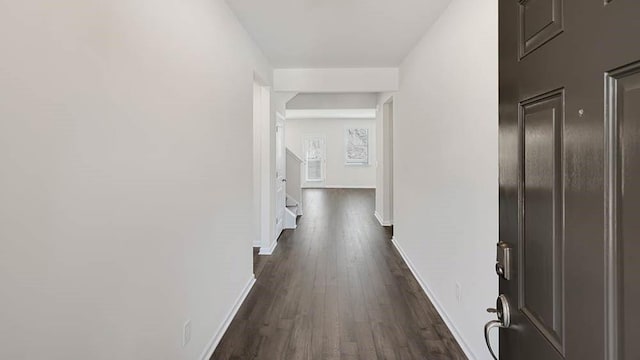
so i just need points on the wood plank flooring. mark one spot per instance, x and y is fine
(336, 288)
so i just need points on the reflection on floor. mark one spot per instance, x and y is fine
(336, 288)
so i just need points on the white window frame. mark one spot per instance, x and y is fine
(323, 159)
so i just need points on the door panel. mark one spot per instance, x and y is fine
(540, 21)
(630, 211)
(623, 121)
(542, 282)
(569, 175)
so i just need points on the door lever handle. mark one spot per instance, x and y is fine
(503, 312)
(487, 329)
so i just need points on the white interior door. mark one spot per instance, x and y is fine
(281, 171)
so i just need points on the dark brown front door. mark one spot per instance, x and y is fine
(570, 178)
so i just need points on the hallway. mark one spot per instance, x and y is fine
(336, 288)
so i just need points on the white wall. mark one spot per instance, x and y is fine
(446, 164)
(125, 149)
(337, 173)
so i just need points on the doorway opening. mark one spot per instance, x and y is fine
(384, 175)
(261, 161)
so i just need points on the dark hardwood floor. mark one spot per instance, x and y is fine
(336, 288)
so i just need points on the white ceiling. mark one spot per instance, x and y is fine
(337, 33)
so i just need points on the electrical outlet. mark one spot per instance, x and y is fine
(458, 292)
(186, 333)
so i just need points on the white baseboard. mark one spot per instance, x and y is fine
(268, 250)
(211, 347)
(291, 218)
(435, 302)
(339, 187)
(382, 222)
(257, 244)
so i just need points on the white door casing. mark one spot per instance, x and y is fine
(281, 171)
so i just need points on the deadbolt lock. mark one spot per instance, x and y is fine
(504, 261)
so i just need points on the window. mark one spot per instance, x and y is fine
(314, 158)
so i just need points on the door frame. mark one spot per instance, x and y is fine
(384, 163)
(262, 185)
(280, 177)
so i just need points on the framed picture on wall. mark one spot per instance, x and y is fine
(356, 146)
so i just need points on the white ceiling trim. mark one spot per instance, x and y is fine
(330, 114)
